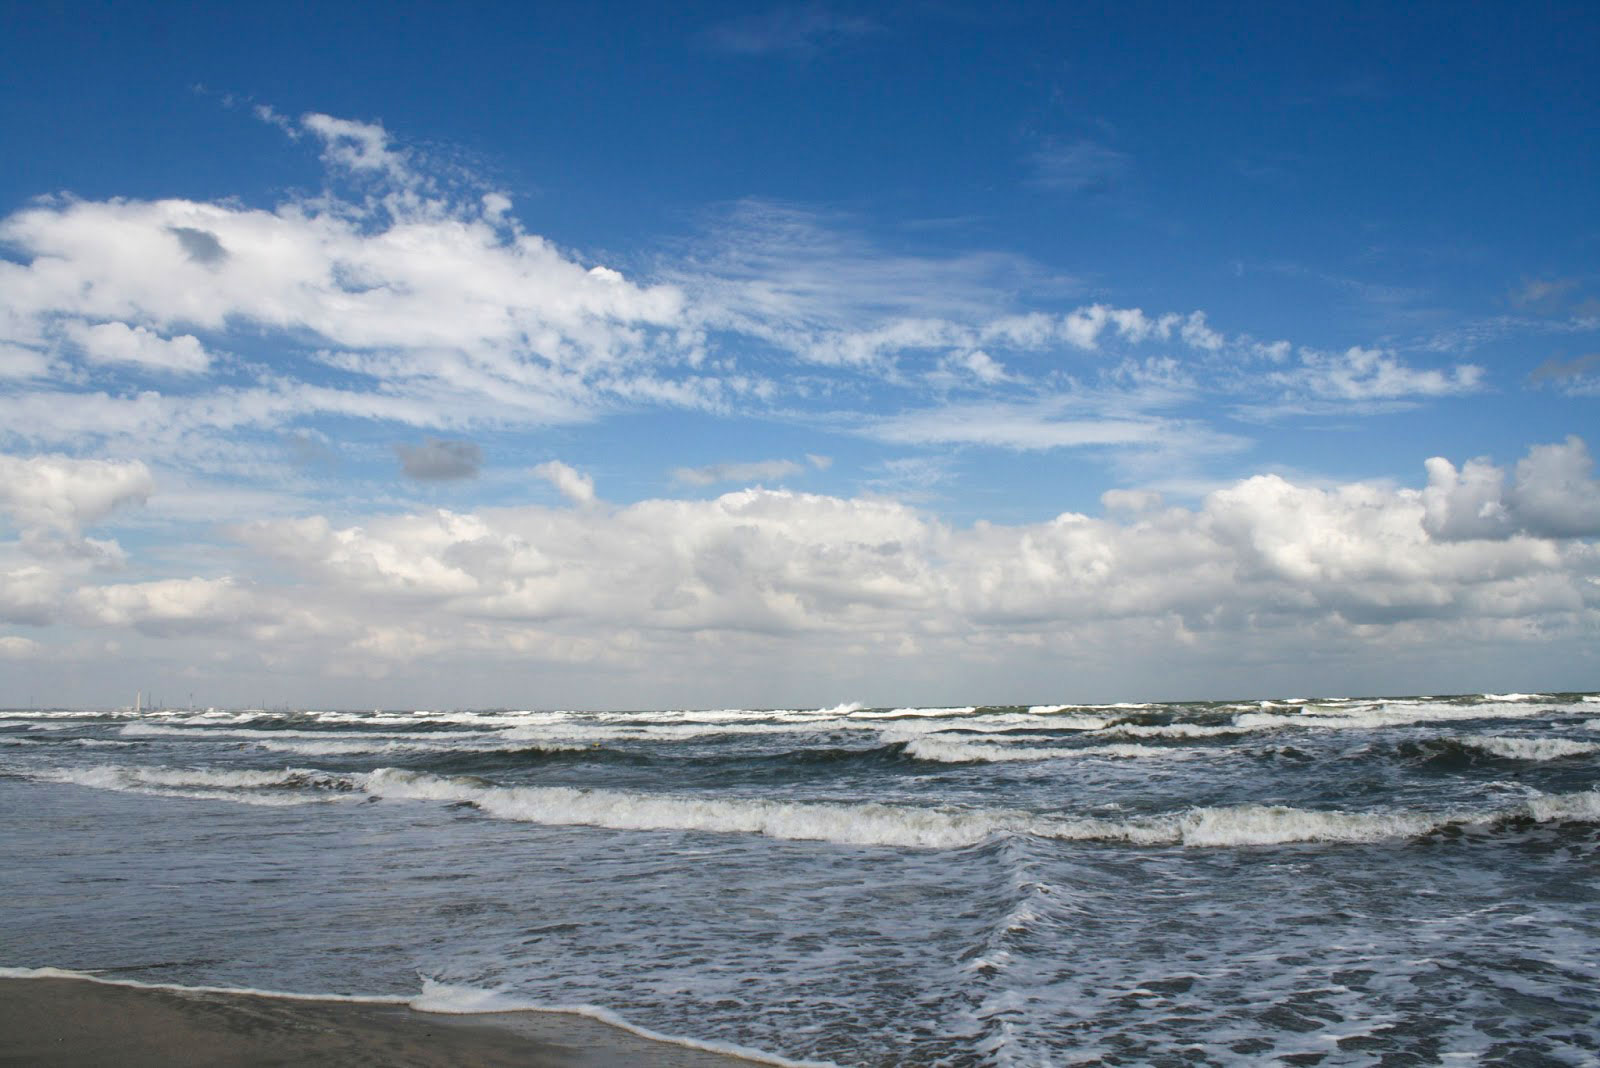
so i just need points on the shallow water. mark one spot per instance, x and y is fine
(1339, 882)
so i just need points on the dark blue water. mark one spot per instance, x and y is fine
(1347, 882)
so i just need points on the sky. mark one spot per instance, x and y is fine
(618, 355)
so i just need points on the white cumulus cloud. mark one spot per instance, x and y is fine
(50, 499)
(570, 483)
(1552, 495)
(118, 343)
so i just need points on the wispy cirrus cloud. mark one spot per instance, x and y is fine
(401, 297)
(1542, 292)
(1053, 422)
(748, 471)
(1364, 375)
(1084, 167)
(795, 30)
(1579, 376)
(796, 275)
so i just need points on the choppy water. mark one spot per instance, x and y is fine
(1394, 881)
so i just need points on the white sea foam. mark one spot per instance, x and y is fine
(1530, 748)
(964, 751)
(291, 786)
(138, 984)
(1172, 730)
(858, 824)
(82, 743)
(691, 715)
(158, 730)
(1253, 825)
(1550, 808)
(595, 732)
(340, 748)
(1387, 714)
(58, 713)
(647, 731)
(905, 726)
(849, 824)
(1059, 717)
(1120, 706)
(1516, 697)
(935, 713)
(149, 730)
(1277, 824)
(1332, 713)
(160, 776)
(945, 828)
(452, 999)
(436, 744)
(832, 712)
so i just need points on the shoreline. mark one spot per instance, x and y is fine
(74, 1021)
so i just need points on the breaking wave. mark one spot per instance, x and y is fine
(908, 713)
(951, 751)
(844, 823)
(291, 786)
(1530, 748)
(1175, 730)
(1461, 750)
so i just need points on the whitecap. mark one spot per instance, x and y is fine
(290, 786)
(1173, 730)
(952, 751)
(844, 823)
(1529, 748)
(1278, 824)
(1583, 806)
(1385, 714)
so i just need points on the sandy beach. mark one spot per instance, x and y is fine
(75, 1022)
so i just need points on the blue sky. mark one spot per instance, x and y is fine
(595, 354)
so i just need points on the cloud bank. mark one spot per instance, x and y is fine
(671, 587)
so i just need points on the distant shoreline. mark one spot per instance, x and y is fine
(71, 1022)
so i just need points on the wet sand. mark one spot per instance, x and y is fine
(77, 1022)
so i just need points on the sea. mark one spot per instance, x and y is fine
(1351, 881)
